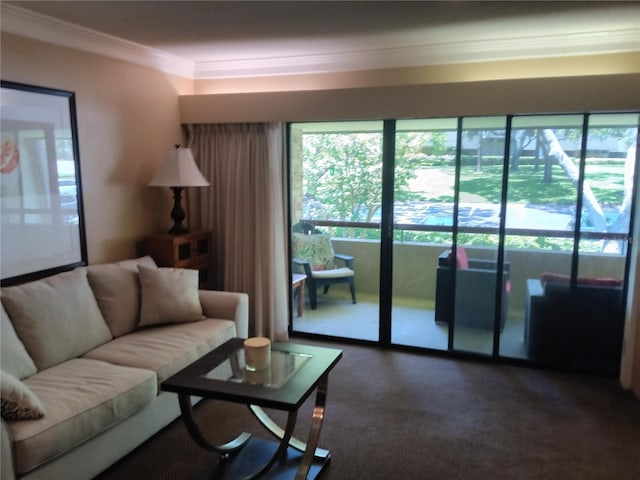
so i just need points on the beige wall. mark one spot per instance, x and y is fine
(585, 65)
(575, 84)
(128, 117)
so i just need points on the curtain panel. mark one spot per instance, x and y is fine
(245, 208)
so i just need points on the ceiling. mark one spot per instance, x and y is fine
(209, 39)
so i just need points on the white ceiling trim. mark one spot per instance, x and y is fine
(546, 46)
(47, 29)
(33, 25)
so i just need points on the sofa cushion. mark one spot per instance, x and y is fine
(165, 349)
(169, 295)
(57, 318)
(13, 356)
(82, 398)
(18, 401)
(117, 289)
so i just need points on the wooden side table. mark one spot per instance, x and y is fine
(188, 250)
(297, 287)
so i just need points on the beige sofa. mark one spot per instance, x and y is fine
(83, 356)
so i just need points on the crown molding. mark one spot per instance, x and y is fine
(471, 51)
(26, 23)
(32, 25)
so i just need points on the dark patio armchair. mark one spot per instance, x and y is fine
(313, 255)
(472, 300)
(581, 326)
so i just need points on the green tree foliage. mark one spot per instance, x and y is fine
(343, 171)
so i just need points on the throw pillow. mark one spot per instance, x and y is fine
(315, 249)
(117, 290)
(18, 402)
(169, 295)
(57, 318)
(13, 356)
(462, 261)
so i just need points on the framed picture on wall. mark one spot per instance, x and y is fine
(42, 229)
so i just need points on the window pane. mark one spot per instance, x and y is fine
(337, 175)
(608, 185)
(481, 171)
(424, 179)
(544, 168)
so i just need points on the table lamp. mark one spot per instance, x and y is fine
(179, 170)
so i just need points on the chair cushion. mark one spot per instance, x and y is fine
(18, 401)
(57, 318)
(549, 277)
(315, 249)
(169, 295)
(117, 290)
(333, 273)
(14, 357)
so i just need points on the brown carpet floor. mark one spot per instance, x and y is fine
(403, 416)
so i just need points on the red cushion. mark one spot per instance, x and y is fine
(601, 282)
(584, 281)
(462, 261)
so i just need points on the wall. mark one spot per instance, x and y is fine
(128, 117)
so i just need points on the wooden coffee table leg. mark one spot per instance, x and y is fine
(196, 434)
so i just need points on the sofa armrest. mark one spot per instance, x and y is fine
(6, 454)
(229, 306)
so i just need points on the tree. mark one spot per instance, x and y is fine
(555, 152)
(343, 171)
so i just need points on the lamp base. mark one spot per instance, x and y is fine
(177, 213)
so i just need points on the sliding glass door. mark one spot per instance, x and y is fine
(423, 212)
(467, 233)
(336, 186)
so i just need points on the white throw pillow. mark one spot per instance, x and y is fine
(13, 356)
(169, 295)
(18, 401)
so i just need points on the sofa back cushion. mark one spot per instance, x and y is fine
(116, 287)
(14, 358)
(57, 318)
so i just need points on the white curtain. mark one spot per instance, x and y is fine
(245, 208)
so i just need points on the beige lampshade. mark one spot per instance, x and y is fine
(179, 170)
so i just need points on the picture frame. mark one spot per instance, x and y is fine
(42, 227)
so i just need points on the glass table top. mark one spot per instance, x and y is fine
(284, 364)
(293, 374)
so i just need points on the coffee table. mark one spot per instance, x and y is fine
(296, 371)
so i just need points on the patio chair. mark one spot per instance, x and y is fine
(472, 299)
(313, 255)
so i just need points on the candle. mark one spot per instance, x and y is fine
(257, 353)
